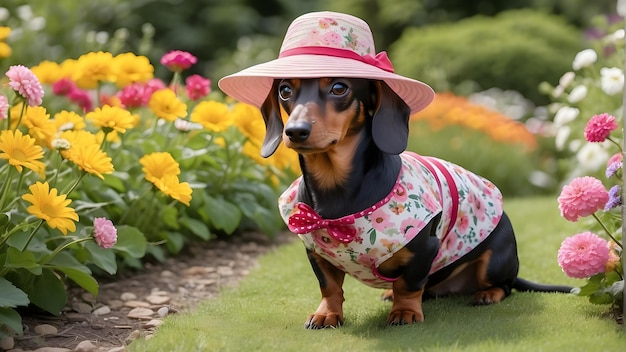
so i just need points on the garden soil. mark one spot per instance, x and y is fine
(132, 304)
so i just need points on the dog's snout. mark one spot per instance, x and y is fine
(298, 131)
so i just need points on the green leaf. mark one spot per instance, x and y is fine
(175, 242)
(11, 296)
(170, 217)
(196, 227)
(80, 277)
(25, 259)
(102, 258)
(131, 241)
(593, 285)
(223, 214)
(601, 298)
(12, 319)
(48, 292)
(115, 182)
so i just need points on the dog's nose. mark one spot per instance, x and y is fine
(298, 131)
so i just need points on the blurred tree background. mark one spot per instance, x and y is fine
(228, 35)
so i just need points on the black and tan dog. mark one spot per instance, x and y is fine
(349, 134)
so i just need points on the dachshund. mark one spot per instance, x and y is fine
(351, 135)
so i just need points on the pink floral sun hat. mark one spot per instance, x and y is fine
(325, 44)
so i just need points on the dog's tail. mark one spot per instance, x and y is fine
(525, 285)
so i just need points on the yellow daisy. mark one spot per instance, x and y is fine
(180, 191)
(158, 165)
(68, 120)
(51, 207)
(39, 124)
(249, 121)
(213, 115)
(5, 49)
(130, 68)
(21, 151)
(111, 118)
(92, 159)
(77, 139)
(48, 72)
(166, 105)
(92, 68)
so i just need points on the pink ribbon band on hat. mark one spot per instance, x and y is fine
(307, 220)
(380, 61)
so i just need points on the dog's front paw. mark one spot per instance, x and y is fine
(321, 321)
(489, 296)
(404, 317)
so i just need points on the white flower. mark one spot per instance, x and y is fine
(60, 144)
(561, 137)
(621, 8)
(584, 58)
(616, 37)
(566, 79)
(592, 157)
(186, 126)
(611, 80)
(565, 115)
(577, 94)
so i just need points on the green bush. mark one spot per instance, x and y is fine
(515, 50)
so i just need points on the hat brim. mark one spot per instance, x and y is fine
(252, 85)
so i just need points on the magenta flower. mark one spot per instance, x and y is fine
(4, 107)
(23, 81)
(582, 197)
(583, 255)
(599, 127)
(132, 96)
(150, 87)
(197, 87)
(104, 232)
(63, 86)
(81, 98)
(177, 60)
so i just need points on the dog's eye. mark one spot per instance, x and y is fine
(339, 89)
(285, 92)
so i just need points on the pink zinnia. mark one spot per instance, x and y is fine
(4, 107)
(582, 197)
(197, 87)
(583, 255)
(599, 127)
(132, 96)
(24, 81)
(104, 232)
(63, 86)
(150, 87)
(81, 98)
(177, 60)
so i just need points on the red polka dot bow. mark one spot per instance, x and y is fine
(307, 220)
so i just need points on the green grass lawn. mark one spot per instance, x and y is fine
(267, 310)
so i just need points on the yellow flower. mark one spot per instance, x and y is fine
(21, 151)
(111, 118)
(130, 68)
(213, 115)
(39, 124)
(5, 49)
(249, 121)
(92, 159)
(77, 140)
(68, 120)
(180, 191)
(166, 105)
(48, 72)
(158, 165)
(52, 208)
(68, 67)
(92, 68)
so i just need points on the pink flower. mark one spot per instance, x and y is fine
(150, 87)
(4, 107)
(63, 86)
(104, 232)
(599, 127)
(24, 81)
(582, 197)
(132, 96)
(197, 87)
(81, 98)
(583, 255)
(177, 60)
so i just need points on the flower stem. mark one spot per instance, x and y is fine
(75, 183)
(32, 234)
(58, 250)
(606, 230)
(614, 142)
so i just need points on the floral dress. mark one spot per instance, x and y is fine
(471, 208)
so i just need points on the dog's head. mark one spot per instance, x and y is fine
(326, 111)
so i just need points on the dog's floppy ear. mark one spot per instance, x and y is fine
(390, 124)
(273, 123)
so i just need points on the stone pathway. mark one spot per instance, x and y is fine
(133, 305)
